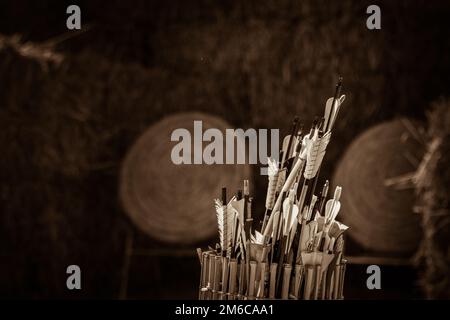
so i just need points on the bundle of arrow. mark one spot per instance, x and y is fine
(298, 254)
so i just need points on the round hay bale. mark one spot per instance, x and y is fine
(380, 215)
(175, 203)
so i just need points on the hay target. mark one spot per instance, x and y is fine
(173, 203)
(381, 216)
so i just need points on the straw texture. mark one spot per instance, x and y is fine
(381, 216)
(171, 202)
(432, 180)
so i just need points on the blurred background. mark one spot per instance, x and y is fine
(74, 104)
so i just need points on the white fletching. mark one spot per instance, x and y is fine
(258, 238)
(306, 142)
(273, 167)
(315, 155)
(273, 173)
(225, 220)
(311, 155)
(327, 113)
(335, 111)
(292, 219)
(331, 211)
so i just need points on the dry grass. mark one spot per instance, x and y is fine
(432, 181)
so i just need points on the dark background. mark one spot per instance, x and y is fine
(66, 128)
